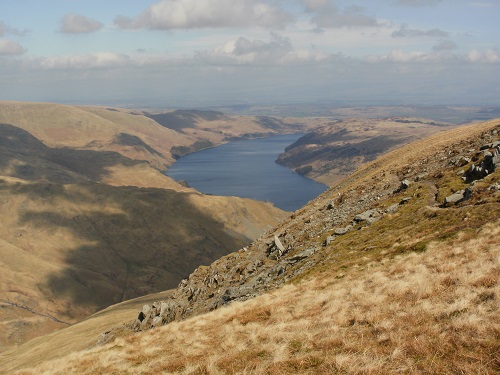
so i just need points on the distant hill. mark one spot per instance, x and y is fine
(394, 270)
(334, 150)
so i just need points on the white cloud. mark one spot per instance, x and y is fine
(192, 14)
(8, 47)
(400, 56)
(328, 15)
(86, 62)
(488, 56)
(277, 51)
(404, 31)
(78, 24)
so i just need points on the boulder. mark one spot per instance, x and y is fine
(475, 173)
(457, 197)
(366, 215)
(454, 198)
(392, 208)
(462, 161)
(342, 231)
(405, 184)
(329, 240)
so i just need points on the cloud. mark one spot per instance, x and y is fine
(87, 62)
(488, 56)
(404, 32)
(78, 24)
(445, 45)
(4, 30)
(193, 14)
(400, 56)
(8, 47)
(277, 51)
(418, 3)
(327, 15)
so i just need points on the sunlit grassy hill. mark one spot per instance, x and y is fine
(377, 275)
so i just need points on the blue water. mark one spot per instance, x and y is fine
(247, 169)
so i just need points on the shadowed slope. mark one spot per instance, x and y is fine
(70, 245)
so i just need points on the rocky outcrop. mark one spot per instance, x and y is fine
(297, 244)
(490, 161)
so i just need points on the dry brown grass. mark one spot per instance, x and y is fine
(431, 312)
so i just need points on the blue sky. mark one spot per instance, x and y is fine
(196, 53)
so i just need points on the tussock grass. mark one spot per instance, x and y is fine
(435, 311)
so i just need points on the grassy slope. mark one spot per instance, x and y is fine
(416, 292)
(83, 227)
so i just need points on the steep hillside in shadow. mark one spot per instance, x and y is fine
(395, 270)
(71, 245)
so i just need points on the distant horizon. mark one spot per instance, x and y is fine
(206, 53)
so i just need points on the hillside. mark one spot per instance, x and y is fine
(86, 224)
(395, 270)
(335, 150)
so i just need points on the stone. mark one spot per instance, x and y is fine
(157, 321)
(303, 255)
(329, 240)
(366, 215)
(475, 173)
(462, 161)
(457, 197)
(342, 231)
(278, 243)
(392, 208)
(372, 220)
(454, 198)
(405, 184)
(404, 200)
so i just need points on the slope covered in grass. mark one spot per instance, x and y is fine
(415, 290)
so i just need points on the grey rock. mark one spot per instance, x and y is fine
(279, 245)
(404, 200)
(392, 208)
(366, 215)
(329, 240)
(454, 198)
(302, 255)
(457, 197)
(342, 231)
(475, 173)
(372, 220)
(462, 161)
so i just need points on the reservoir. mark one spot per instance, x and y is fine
(247, 169)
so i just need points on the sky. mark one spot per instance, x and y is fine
(200, 53)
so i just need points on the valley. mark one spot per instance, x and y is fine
(103, 256)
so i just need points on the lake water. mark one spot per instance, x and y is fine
(247, 169)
